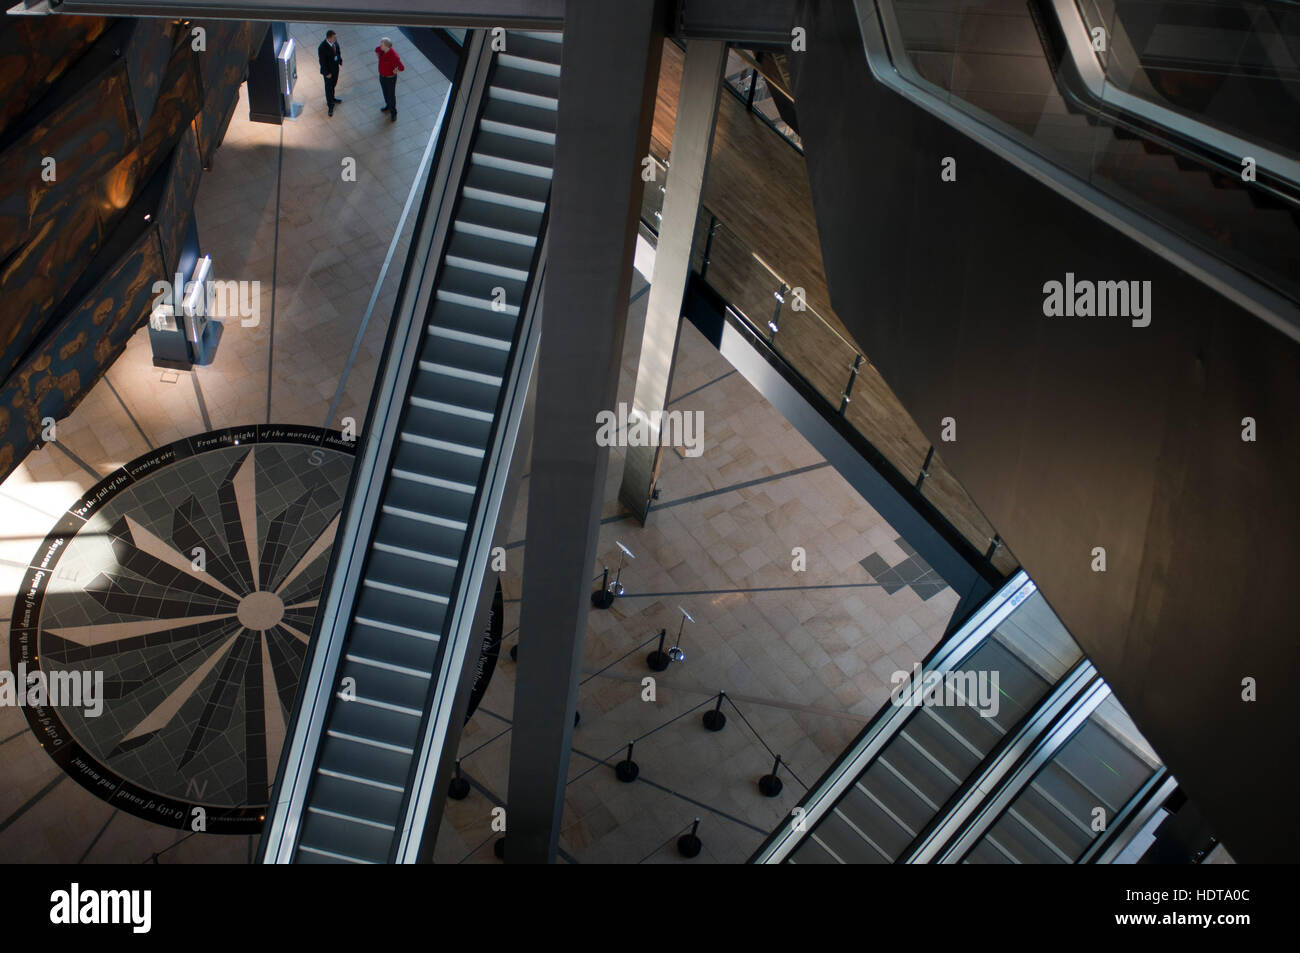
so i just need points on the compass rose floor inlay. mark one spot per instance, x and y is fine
(189, 581)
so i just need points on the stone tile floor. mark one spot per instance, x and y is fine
(804, 656)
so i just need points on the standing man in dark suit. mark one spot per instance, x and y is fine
(331, 59)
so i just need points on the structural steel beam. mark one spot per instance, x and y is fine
(515, 14)
(607, 94)
(843, 448)
(753, 22)
(765, 22)
(697, 110)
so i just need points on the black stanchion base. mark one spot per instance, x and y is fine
(499, 849)
(514, 652)
(658, 661)
(602, 598)
(688, 845)
(770, 785)
(626, 771)
(714, 720)
(458, 790)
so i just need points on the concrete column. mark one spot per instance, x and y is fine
(607, 93)
(697, 112)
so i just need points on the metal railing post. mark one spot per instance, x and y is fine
(925, 467)
(848, 388)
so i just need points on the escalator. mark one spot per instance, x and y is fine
(998, 675)
(1032, 70)
(383, 690)
(1055, 772)
(1094, 770)
(922, 767)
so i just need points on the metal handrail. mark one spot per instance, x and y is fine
(1132, 819)
(967, 828)
(717, 224)
(1225, 150)
(1030, 737)
(890, 66)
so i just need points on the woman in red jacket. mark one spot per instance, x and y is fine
(390, 64)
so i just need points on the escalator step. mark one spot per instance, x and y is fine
(522, 76)
(530, 189)
(387, 642)
(351, 838)
(896, 797)
(533, 48)
(436, 542)
(812, 852)
(459, 314)
(868, 816)
(517, 59)
(365, 756)
(848, 845)
(533, 118)
(1053, 824)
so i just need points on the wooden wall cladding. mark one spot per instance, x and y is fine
(223, 67)
(179, 104)
(35, 52)
(131, 113)
(85, 136)
(225, 61)
(53, 381)
(215, 126)
(148, 55)
(256, 34)
(34, 279)
(177, 205)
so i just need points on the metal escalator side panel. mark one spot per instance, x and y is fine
(841, 776)
(1091, 786)
(457, 125)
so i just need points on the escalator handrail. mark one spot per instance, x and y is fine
(316, 689)
(1026, 741)
(970, 828)
(882, 41)
(1087, 86)
(1131, 818)
(822, 797)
